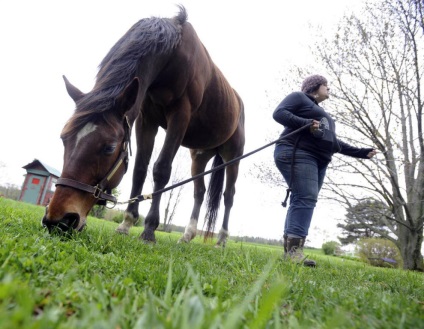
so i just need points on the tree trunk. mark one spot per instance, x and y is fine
(410, 242)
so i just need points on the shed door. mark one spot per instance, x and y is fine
(33, 191)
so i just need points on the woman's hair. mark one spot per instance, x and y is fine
(312, 83)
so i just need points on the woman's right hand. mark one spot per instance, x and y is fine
(315, 126)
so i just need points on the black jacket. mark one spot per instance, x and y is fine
(299, 109)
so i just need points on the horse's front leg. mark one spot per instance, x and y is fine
(199, 160)
(145, 136)
(161, 175)
(177, 125)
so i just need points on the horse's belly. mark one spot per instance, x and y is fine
(208, 136)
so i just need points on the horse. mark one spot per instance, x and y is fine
(158, 74)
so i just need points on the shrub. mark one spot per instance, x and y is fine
(117, 216)
(331, 248)
(379, 252)
(352, 258)
(98, 211)
(117, 219)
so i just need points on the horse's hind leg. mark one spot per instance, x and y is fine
(199, 160)
(232, 149)
(230, 190)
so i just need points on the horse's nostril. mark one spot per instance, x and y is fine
(46, 224)
(68, 222)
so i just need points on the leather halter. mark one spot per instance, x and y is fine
(99, 190)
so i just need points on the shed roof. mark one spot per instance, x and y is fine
(48, 168)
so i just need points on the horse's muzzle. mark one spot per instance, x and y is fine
(70, 221)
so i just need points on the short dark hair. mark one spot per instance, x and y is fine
(312, 83)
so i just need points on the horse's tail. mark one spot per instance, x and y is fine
(216, 185)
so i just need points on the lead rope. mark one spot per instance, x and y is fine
(143, 197)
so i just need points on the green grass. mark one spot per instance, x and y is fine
(99, 279)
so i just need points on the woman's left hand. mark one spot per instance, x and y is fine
(371, 154)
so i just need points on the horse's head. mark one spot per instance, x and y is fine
(96, 146)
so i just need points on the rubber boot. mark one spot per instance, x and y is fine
(295, 251)
(285, 243)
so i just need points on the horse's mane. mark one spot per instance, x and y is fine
(149, 36)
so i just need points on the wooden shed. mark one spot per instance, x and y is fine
(39, 184)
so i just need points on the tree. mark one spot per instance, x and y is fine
(331, 248)
(366, 219)
(172, 197)
(10, 191)
(99, 211)
(375, 65)
(379, 252)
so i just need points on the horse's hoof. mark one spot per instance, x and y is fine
(148, 238)
(182, 240)
(124, 227)
(121, 231)
(147, 241)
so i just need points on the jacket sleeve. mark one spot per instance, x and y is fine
(352, 151)
(285, 115)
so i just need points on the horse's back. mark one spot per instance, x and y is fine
(191, 82)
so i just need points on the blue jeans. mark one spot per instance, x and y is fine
(308, 177)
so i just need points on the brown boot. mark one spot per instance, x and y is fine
(295, 251)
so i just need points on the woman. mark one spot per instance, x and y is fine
(303, 158)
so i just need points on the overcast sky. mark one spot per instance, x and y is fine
(252, 42)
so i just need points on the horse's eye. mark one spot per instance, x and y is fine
(109, 149)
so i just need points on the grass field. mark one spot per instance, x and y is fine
(99, 279)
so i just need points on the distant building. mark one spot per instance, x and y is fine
(39, 184)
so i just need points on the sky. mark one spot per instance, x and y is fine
(252, 42)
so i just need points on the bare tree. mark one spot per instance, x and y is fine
(375, 65)
(172, 197)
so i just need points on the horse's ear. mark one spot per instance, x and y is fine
(128, 97)
(73, 91)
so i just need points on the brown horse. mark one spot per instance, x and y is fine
(158, 74)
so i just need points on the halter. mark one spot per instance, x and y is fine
(99, 190)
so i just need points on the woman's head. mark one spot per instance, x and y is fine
(316, 86)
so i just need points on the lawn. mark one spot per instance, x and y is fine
(100, 279)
